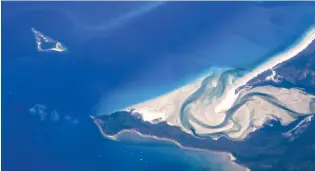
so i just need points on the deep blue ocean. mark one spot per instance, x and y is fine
(121, 53)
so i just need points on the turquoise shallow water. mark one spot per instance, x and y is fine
(186, 159)
(240, 41)
(152, 53)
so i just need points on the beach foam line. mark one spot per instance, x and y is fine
(230, 96)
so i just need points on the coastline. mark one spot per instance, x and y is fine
(167, 107)
(115, 137)
(231, 95)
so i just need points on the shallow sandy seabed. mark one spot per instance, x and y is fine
(212, 107)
